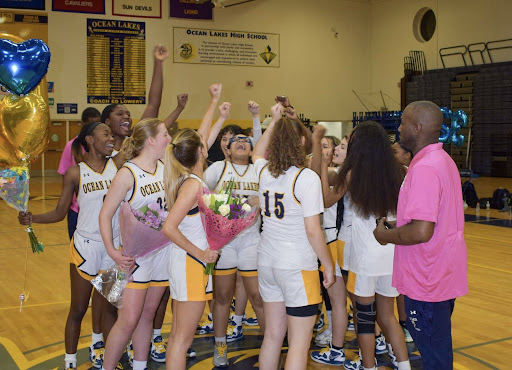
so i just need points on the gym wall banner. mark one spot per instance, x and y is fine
(191, 9)
(237, 48)
(116, 62)
(137, 8)
(23, 4)
(79, 6)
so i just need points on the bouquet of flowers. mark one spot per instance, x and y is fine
(15, 191)
(224, 216)
(141, 235)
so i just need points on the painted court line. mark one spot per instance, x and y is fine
(33, 305)
(477, 360)
(484, 343)
(488, 239)
(490, 268)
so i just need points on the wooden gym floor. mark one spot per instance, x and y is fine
(33, 338)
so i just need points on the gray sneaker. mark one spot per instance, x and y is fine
(220, 355)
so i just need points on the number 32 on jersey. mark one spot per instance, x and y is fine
(278, 204)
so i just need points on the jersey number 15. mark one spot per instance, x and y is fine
(278, 205)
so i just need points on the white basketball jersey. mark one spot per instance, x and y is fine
(345, 233)
(192, 226)
(244, 177)
(285, 201)
(92, 190)
(147, 187)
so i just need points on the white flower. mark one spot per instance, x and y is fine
(218, 197)
(206, 199)
(224, 209)
(246, 207)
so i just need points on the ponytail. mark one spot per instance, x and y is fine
(128, 150)
(143, 130)
(80, 143)
(180, 157)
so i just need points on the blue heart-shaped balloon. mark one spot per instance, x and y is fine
(23, 65)
(450, 133)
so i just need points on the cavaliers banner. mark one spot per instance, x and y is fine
(79, 6)
(237, 48)
(191, 9)
(137, 8)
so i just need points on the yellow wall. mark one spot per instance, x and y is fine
(459, 22)
(317, 70)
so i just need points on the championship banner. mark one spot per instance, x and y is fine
(191, 9)
(116, 62)
(137, 8)
(79, 6)
(23, 4)
(237, 48)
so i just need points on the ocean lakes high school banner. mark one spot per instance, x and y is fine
(191, 9)
(238, 48)
(137, 8)
(116, 62)
(79, 6)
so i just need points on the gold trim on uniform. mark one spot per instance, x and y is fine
(312, 286)
(77, 260)
(293, 186)
(196, 288)
(351, 282)
(134, 183)
(248, 273)
(225, 272)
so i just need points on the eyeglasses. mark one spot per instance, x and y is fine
(240, 139)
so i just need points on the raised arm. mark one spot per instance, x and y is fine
(331, 196)
(224, 113)
(187, 198)
(170, 121)
(254, 108)
(69, 186)
(160, 53)
(121, 184)
(316, 161)
(206, 122)
(262, 144)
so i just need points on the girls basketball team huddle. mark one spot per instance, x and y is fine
(314, 209)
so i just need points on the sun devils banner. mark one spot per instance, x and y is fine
(137, 8)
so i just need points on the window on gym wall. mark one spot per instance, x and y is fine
(424, 24)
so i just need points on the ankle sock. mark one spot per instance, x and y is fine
(157, 332)
(139, 365)
(220, 339)
(237, 320)
(404, 365)
(70, 361)
(96, 338)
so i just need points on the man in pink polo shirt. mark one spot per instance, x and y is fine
(430, 264)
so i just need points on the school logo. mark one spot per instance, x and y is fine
(187, 51)
(268, 56)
